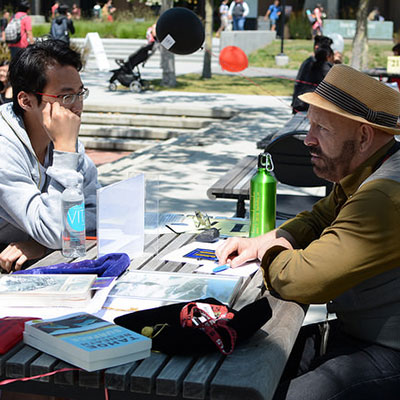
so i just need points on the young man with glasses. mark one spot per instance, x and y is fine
(39, 151)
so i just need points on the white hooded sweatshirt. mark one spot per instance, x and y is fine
(30, 193)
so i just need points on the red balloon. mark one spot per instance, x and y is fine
(233, 59)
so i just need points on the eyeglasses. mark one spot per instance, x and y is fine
(201, 220)
(68, 99)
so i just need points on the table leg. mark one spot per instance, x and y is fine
(240, 207)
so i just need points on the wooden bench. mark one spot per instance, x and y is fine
(235, 184)
(252, 371)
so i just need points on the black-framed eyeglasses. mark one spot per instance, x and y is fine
(68, 99)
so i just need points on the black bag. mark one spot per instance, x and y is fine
(184, 329)
(59, 31)
(238, 10)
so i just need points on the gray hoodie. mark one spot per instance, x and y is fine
(30, 193)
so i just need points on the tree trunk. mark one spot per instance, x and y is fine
(167, 62)
(208, 40)
(359, 59)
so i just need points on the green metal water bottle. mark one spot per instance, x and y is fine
(262, 197)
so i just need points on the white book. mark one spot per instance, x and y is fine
(42, 290)
(86, 341)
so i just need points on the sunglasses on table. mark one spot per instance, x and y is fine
(68, 99)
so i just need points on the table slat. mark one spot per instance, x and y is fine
(230, 179)
(65, 378)
(258, 379)
(118, 378)
(8, 355)
(42, 365)
(93, 379)
(169, 381)
(196, 383)
(143, 378)
(18, 365)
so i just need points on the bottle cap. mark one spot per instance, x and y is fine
(262, 160)
(72, 181)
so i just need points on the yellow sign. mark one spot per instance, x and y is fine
(393, 65)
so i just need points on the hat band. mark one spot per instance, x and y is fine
(353, 106)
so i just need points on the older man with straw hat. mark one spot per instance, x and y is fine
(345, 252)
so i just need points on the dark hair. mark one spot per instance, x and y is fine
(322, 54)
(24, 6)
(62, 9)
(28, 69)
(396, 48)
(320, 40)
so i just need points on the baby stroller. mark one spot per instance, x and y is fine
(128, 73)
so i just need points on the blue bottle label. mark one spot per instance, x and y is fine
(76, 217)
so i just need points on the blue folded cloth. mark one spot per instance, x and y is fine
(112, 264)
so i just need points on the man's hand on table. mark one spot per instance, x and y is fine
(236, 251)
(15, 254)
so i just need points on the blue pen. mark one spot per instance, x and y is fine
(220, 268)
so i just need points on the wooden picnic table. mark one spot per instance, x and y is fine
(252, 371)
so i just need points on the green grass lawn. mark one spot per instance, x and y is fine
(237, 84)
(297, 50)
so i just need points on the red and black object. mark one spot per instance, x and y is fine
(11, 332)
(186, 329)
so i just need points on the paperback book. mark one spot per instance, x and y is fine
(173, 287)
(86, 341)
(57, 290)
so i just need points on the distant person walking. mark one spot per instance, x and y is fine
(63, 25)
(3, 24)
(107, 11)
(273, 14)
(238, 11)
(97, 11)
(318, 14)
(75, 12)
(25, 31)
(375, 15)
(224, 17)
(54, 9)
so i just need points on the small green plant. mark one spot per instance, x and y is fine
(123, 29)
(4, 52)
(299, 26)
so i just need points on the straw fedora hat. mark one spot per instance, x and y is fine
(352, 94)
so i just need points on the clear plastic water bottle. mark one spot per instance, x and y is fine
(73, 222)
(262, 197)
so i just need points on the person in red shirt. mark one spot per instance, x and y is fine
(26, 29)
(54, 9)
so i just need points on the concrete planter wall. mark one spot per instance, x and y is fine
(248, 41)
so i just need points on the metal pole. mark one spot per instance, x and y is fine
(282, 24)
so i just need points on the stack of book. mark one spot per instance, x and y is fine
(86, 341)
(57, 290)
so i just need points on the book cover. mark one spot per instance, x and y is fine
(176, 286)
(38, 290)
(86, 341)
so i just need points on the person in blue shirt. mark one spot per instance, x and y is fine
(273, 14)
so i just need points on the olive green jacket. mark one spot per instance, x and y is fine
(349, 253)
